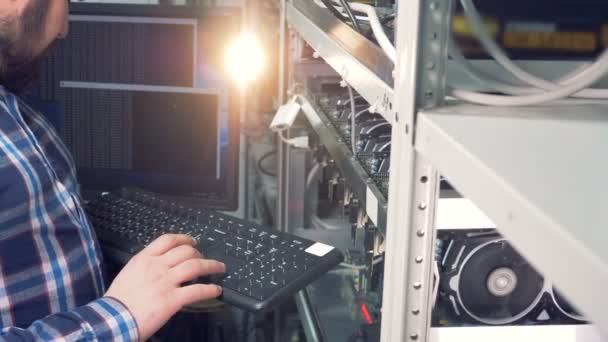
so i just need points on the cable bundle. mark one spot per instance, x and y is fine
(541, 91)
(575, 85)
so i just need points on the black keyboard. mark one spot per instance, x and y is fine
(263, 266)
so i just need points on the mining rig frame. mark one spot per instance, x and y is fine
(543, 190)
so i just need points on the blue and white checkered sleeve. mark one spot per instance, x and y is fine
(105, 319)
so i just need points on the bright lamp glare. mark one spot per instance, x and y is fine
(245, 58)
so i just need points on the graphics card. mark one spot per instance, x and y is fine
(485, 281)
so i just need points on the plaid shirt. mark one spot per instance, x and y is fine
(51, 280)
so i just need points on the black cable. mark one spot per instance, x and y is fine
(388, 19)
(261, 160)
(356, 337)
(219, 332)
(332, 9)
(246, 323)
(351, 16)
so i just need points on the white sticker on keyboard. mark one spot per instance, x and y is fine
(319, 249)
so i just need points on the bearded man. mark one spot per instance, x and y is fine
(51, 282)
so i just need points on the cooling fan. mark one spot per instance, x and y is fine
(484, 280)
(495, 285)
(564, 308)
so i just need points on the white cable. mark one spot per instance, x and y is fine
(352, 266)
(488, 80)
(285, 140)
(484, 78)
(501, 57)
(299, 142)
(319, 223)
(374, 23)
(353, 123)
(588, 77)
(357, 96)
(437, 276)
(313, 173)
(584, 79)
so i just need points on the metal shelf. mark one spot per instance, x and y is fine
(358, 61)
(553, 333)
(460, 213)
(538, 173)
(357, 178)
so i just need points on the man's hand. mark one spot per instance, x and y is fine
(149, 285)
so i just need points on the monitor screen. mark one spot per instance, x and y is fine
(125, 49)
(127, 79)
(164, 139)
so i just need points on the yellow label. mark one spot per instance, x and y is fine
(572, 41)
(461, 26)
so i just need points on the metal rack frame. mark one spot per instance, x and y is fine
(357, 60)
(546, 203)
(422, 32)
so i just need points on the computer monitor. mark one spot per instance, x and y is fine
(164, 139)
(168, 55)
(125, 49)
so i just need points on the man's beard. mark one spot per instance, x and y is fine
(22, 73)
(20, 67)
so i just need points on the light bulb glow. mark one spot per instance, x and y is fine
(245, 59)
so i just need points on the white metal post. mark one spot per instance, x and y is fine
(422, 29)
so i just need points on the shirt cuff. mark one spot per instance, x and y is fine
(109, 320)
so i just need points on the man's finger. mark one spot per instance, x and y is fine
(197, 292)
(167, 242)
(180, 254)
(194, 268)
